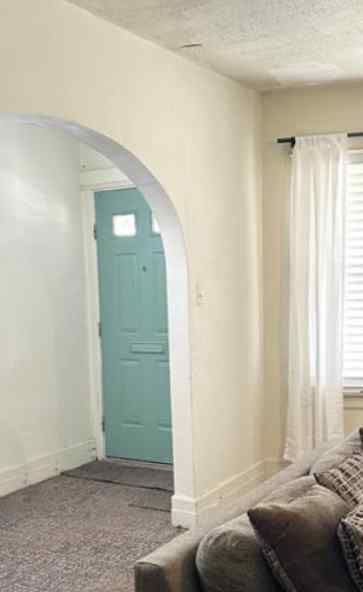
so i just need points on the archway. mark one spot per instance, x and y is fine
(177, 288)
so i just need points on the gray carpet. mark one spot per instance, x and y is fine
(116, 472)
(78, 535)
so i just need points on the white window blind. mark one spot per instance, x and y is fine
(353, 300)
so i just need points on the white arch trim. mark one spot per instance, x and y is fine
(177, 289)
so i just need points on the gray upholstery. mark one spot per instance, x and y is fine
(299, 542)
(172, 568)
(336, 454)
(230, 554)
(287, 492)
(350, 534)
(346, 479)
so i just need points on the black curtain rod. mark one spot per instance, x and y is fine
(291, 139)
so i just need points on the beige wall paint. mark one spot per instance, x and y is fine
(199, 135)
(45, 419)
(304, 111)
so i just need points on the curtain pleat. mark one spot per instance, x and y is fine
(316, 292)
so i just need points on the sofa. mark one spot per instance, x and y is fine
(226, 557)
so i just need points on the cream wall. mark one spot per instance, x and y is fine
(45, 418)
(199, 134)
(289, 113)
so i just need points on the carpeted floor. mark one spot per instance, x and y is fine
(79, 535)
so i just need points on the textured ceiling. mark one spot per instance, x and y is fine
(266, 44)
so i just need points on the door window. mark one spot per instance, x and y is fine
(124, 225)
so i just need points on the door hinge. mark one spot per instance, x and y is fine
(99, 329)
(103, 424)
(95, 231)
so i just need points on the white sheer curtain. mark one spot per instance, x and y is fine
(317, 220)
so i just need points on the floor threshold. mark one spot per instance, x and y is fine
(141, 464)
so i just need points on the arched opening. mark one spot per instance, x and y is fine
(177, 290)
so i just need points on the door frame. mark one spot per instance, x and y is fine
(91, 182)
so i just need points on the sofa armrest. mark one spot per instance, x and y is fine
(170, 568)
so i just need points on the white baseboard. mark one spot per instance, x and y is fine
(273, 466)
(44, 467)
(186, 511)
(73, 457)
(189, 512)
(12, 480)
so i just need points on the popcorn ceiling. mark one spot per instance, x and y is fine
(265, 44)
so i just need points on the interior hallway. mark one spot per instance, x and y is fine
(83, 533)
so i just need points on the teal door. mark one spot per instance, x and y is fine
(134, 328)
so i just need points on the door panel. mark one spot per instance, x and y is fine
(159, 317)
(133, 304)
(127, 287)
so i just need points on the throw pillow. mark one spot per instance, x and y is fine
(300, 544)
(229, 556)
(345, 479)
(350, 534)
(333, 456)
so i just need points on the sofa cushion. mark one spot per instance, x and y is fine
(229, 556)
(346, 479)
(335, 455)
(300, 544)
(350, 534)
(291, 490)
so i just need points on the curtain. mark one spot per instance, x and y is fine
(316, 292)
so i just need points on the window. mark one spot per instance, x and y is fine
(124, 225)
(155, 225)
(353, 301)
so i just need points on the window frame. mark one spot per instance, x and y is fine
(355, 156)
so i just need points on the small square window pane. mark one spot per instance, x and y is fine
(124, 225)
(155, 225)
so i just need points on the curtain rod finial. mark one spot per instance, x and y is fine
(291, 140)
